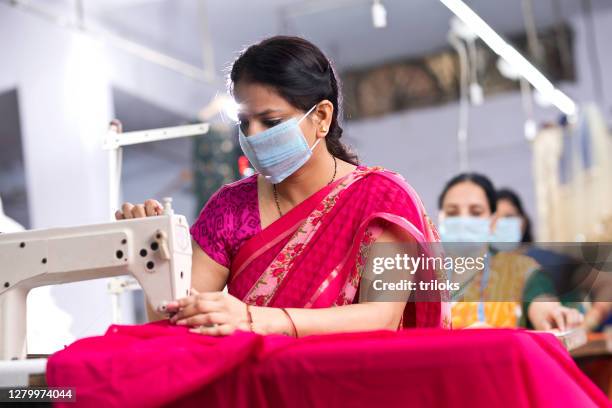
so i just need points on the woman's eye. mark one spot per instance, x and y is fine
(244, 125)
(271, 122)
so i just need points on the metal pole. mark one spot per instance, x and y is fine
(208, 54)
(464, 104)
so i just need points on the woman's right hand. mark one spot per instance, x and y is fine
(150, 208)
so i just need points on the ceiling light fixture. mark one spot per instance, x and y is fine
(511, 56)
(379, 14)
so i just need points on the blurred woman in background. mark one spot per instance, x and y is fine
(509, 205)
(492, 295)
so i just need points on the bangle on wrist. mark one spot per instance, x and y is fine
(249, 317)
(295, 332)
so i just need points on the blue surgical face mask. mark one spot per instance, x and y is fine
(465, 229)
(507, 233)
(464, 237)
(278, 152)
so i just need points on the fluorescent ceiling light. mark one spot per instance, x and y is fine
(379, 14)
(511, 56)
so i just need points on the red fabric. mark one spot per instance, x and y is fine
(159, 365)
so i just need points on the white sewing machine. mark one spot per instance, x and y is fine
(155, 250)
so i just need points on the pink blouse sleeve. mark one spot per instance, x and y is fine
(210, 229)
(228, 219)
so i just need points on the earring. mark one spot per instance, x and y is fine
(323, 129)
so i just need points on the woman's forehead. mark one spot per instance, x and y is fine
(466, 193)
(253, 97)
(506, 206)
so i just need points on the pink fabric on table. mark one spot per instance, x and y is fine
(158, 365)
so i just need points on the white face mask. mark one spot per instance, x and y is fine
(507, 234)
(465, 236)
(464, 229)
(278, 152)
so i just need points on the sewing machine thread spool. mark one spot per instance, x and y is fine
(168, 206)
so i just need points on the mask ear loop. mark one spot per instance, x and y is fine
(315, 144)
(307, 113)
(304, 117)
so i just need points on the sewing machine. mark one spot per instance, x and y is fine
(155, 250)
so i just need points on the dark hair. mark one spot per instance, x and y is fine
(507, 194)
(301, 74)
(476, 178)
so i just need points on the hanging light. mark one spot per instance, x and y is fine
(460, 30)
(379, 14)
(530, 129)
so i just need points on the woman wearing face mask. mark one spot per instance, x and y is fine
(543, 308)
(289, 241)
(510, 207)
(467, 214)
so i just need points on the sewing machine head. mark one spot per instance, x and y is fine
(155, 250)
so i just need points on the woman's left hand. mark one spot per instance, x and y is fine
(212, 313)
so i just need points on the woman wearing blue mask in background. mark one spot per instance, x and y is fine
(543, 306)
(492, 295)
(510, 206)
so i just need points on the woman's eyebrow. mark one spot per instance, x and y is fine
(258, 114)
(266, 112)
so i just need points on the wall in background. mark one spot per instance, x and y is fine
(64, 106)
(63, 80)
(12, 170)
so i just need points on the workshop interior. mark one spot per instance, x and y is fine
(307, 203)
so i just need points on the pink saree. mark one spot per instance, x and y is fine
(313, 256)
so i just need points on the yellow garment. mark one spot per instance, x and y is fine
(509, 273)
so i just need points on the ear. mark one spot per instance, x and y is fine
(323, 116)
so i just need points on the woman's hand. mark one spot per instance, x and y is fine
(149, 208)
(547, 315)
(212, 313)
